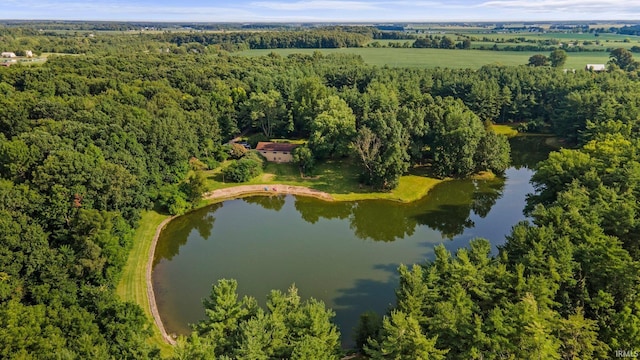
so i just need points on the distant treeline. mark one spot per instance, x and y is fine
(630, 30)
(274, 39)
(326, 37)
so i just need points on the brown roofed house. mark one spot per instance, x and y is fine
(276, 152)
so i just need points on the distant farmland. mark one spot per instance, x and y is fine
(431, 58)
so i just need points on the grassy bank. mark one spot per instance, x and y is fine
(133, 286)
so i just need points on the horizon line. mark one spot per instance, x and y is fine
(326, 21)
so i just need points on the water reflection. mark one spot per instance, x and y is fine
(365, 295)
(527, 151)
(448, 209)
(311, 212)
(273, 202)
(201, 220)
(486, 197)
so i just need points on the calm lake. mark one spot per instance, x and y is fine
(344, 253)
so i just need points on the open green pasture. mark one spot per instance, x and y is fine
(432, 58)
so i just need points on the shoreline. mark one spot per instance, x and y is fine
(150, 293)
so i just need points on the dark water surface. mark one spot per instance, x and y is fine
(344, 253)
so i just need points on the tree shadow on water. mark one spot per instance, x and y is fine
(449, 220)
(365, 295)
(272, 202)
(176, 233)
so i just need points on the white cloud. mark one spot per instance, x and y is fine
(409, 5)
(316, 5)
(564, 9)
(113, 10)
(591, 6)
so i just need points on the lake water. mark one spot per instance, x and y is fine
(344, 253)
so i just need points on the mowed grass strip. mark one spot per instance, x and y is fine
(133, 285)
(432, 58)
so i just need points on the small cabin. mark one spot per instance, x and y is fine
(595, 67)
(8, 55)
(276, 152)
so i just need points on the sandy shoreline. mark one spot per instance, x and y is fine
(220, 194)
(150, 294)
(264, 189)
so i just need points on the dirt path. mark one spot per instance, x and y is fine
(220, 194)
(244, 190)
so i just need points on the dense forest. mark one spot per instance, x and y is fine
(88, 142)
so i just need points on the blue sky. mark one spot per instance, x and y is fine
(321, 10)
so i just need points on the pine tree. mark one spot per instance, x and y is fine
(402, 338)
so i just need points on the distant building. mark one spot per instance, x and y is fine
(596, 67)
(28, 53)
(8, 55)
(276, 152)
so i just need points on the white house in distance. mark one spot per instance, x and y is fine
(276, 152)
(595, 67)
(28, 53)
(7, 54)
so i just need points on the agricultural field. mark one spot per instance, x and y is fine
(432, 58)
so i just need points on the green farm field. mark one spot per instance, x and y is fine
(432, 58)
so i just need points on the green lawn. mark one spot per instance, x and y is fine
(505, 129)
(431, 58)
(338, 178)
(133, 285)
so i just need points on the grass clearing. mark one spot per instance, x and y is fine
(133, 285)
(339, 178)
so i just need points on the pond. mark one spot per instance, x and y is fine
(344, 253)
